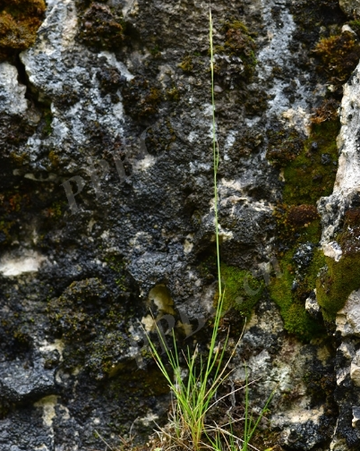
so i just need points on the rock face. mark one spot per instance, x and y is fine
(107, 213)
(350, 7)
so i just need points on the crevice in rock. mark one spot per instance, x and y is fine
(38, 99)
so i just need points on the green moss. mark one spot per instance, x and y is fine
(336, 282)
(289, 291)
(309, 169)
(284, 145)
(297, 224)
(311, 173)
(300, 260)
(239, 42)
(47, 118)
(338, 279)
(355, 25)
(173, 94)
(242, 289)
(309, 165)
(187, 64)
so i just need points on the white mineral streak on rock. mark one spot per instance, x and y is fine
(131, 7)
(144, 164)
(57, 345)
(355, 369)
(44, 61)
(348, 318)
(348, 174)
(347, 350)
(277, 53)
(118, 64)
(12, 94)
(332, 250)
(30, 261)
(56, 64)
(311, 306)
(347, 181)
(52, 409)
(48, 404)
(341, 375)
(356, 416)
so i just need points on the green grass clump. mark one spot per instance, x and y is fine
(194, 394)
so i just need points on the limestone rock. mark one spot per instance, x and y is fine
(107, 213)
(350, 7)
(355, 370)
(348, 318)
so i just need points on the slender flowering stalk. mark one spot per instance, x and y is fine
(216, 155)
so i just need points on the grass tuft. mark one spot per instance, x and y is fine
(194, 393)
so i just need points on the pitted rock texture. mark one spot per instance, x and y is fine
(350, 7)
(348, 369)
(107, 214)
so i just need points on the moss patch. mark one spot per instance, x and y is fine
(140, 99)
(291, 289)
(299, 232)
(101, 27)
(339, 55)
(19, 21)
(242, 289)
(187, 64)
(338, 279)
(309, 168)
(234, 55)
(310, 165)
(239, 43)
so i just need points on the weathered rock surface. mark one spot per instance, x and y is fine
(350, 7)
(107, 214)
